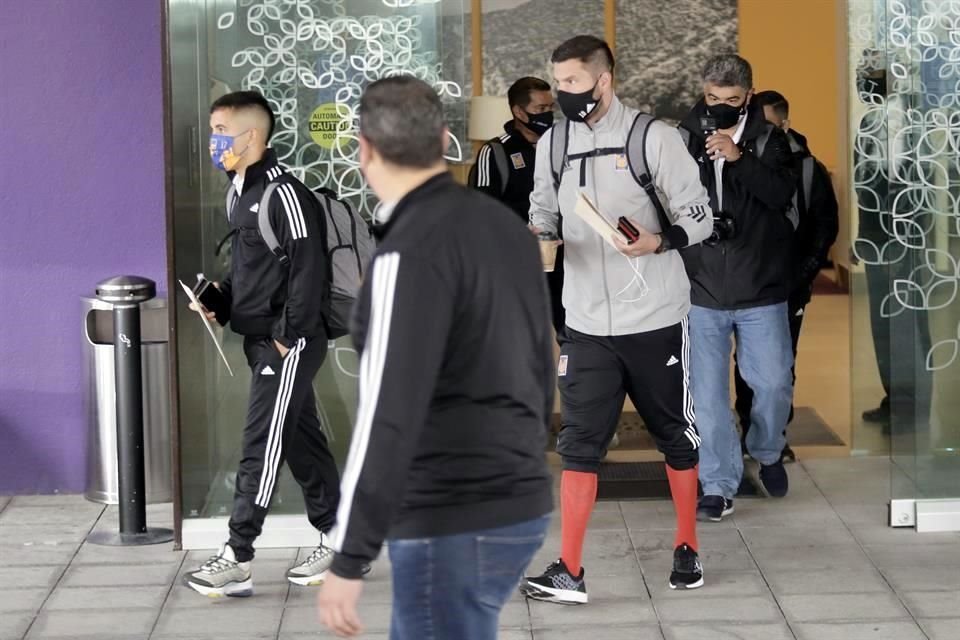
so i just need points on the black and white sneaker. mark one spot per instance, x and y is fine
(687, 570)
(714, 508)
(556, 584)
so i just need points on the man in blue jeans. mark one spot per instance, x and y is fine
(741, 283)
(447, 461)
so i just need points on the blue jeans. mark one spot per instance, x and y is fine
(453, 587)
(765, 357)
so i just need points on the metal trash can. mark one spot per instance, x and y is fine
(101, 406)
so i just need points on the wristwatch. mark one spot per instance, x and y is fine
(664, 244)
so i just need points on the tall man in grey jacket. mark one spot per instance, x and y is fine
(626, 330)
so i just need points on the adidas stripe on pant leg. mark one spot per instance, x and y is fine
(282, 411)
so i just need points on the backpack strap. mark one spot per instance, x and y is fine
(559, 140)
(763, 139)
(266, 229)
(637, 160)
(231, 194)
(809, 164)
(500, 157)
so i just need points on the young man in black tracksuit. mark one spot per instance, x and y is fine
(504, 167)
(276, 302)
(816, 231)
(447, 459)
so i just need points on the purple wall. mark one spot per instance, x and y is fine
(82, 199)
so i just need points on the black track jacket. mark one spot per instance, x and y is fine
(267, 298)
(456, 377)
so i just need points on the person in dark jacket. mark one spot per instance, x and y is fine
(899, 319)
(447, 460)
(741, 283)
(504, 167)
(816, 232)
(277, 306)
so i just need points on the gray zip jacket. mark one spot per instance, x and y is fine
(604, 292)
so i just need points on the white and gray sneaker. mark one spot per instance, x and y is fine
(313, 571)
(222, 575)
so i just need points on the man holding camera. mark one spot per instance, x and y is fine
(740, 283)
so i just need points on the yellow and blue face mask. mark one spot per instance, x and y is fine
(222, 153)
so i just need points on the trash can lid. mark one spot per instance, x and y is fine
(132, 289)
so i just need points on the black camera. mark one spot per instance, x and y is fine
(724, 228)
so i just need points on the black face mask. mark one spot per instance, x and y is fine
(578, 106)
(726, 115)
(538, 123)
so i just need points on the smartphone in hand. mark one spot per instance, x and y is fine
(212, 298)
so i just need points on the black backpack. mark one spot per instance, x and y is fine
(499, 159)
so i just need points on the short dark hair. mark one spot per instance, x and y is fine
(775, 101)
(246, 100)
(728, 70)
(402, 118)
(586, 49)
(518, 95)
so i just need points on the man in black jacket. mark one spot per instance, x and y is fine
(504, 167)
(741, 283)
(276, 303)
(456, 389)
(816, 231)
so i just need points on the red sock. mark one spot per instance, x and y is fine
(683, 488)
(578, 492)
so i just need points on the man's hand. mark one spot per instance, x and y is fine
(337, 603)
(282, 349)
(720, 145)
(645, 244)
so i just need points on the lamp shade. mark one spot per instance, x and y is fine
(487, 116)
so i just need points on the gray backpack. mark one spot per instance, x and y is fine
(350, 248)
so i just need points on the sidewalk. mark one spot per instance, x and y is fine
(818, 565)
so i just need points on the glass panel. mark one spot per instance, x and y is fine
(908, 187)
(660, 54)
(311, 59)
(518, 37)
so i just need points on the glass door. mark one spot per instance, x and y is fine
(905, 68)
(311, 59)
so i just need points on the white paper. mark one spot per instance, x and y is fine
(213, 336)
(592, 216)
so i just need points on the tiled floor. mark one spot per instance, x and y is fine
(818, 565)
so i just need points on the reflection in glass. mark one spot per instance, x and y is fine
(906, 91)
